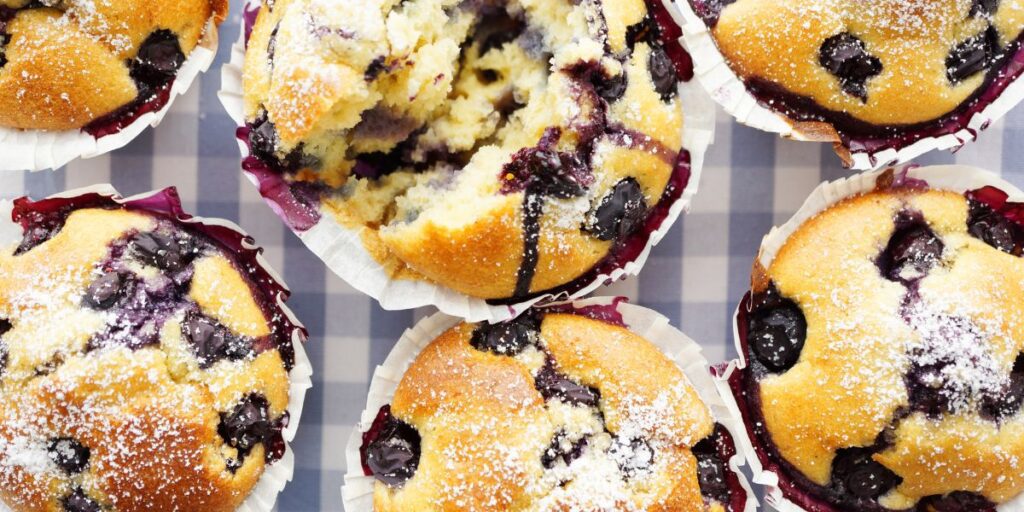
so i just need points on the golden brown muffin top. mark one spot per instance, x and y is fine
(886, 343)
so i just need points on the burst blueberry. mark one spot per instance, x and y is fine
(78, 501)
(505, 338)
(393, 455)
(167, 252)
(663, 73)
(106, 290)
(551, 384)
(248, 424)
(213, 342)
(845, 56)
(620, 213)
(776, 335)
(69, 455)
(911, 253)
(561, 448)
(972, 56)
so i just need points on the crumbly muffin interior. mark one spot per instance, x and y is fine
(410, 114)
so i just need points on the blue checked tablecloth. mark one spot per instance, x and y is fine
(696, 277)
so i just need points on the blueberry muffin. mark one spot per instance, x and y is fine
(94, 65)
(885, 354)
(501, 149)
(144, 363)
(554, 411)
(876, 73)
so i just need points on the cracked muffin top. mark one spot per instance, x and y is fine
(548, 412)
(498, 148)
(94, 64)
(885, 344)
(869, 68)
(144, 363)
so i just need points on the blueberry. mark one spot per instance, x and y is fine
(542, 170)
(984, 8)
(562, 449)
(632, 455)
(926, 390)
(552, 384)
(855, 472)
(994, 229)
(167, 252)
(911, 253)
(77, 501)
(610, 88)
(248, 424)
(972, 56)
(69, 455)
(711, 470)
(394, 454)
(377, 67)
(845, 56)
(3, 357)
(663, 73)
(506, 338)
(553, 174)
(777, 334)
(1010, 400)
(212, 342)
(157, 61)
(620, 213)
(35, 235)
(105, 291)
(5, 325)
(272, 44)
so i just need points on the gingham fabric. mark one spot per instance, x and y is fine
(696, 276)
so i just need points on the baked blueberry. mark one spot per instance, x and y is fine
(619, 213)
(776, 335)
(972, 56)
(636, 455)
(845, 56)
(564, 449)
(663, 73)
(248, 424)
(106, 290)
(994, 229)
(213, 342)
(856, 473)
(394, 454)
(69, 455)
(78, 501)
(555, 385)
(158, 59)
(506, 338)
(912, 251)
(165, 251)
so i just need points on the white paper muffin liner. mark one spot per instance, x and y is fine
(37, 150)
(357, 491)
(713, 71)
(341, 248)
(957, 178)
(278, 474)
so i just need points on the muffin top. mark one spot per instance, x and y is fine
(553, 411)
(92, 64)
(144, 363)
(864, 64)
(885, 345)
(500, 149)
